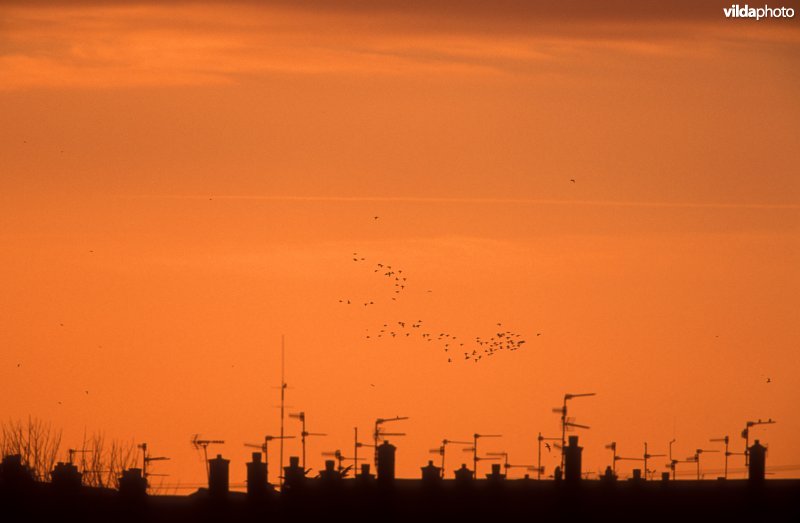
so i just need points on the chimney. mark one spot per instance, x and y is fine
(218, 474)
(572, 461)
(756, 470)
(256, 476)
(386, 457)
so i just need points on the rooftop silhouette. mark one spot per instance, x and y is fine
(333, 492)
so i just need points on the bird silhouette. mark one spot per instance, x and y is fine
(499, 340)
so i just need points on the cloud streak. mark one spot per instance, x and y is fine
(477, 201)
(140, 43)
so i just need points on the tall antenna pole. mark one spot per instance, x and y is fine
(671, 461)
(377, 435)
(303, 437)
(648, 456)
(725, 440)
(565, 422)
(475, 457)
(539, 458)
(283, 400)
(564, 432)
(746, 436)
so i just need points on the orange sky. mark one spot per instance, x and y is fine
(182, 184)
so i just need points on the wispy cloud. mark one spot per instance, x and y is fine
(477, 201)
(97, 44)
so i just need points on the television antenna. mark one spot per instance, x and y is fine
(539, 468)
(696, 458)
(147, 459)
(568, 423)
(283, 405)
(623, 458)
(304, 433)
(198, 444)
(443, 449)
(504, 456)
(474, 449)
(613, 448)
(378, 434)
(357, 445)
(71, 454)
(725, 440)
(265, 447)
(648, 456)
(746, 436)
(340, 459)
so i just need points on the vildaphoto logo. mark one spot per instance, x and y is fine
(745, 11)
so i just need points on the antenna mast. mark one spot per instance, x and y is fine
(378, 434)
(474, 451)
(442, 449)
(725, 440)
(265, 448)
(147, 458)
(304, 433)
(203, 444)
(540, 439)
(746, 436)
(283, 402)
(566, 423)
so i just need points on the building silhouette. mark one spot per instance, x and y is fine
(430, 497)
(756, 471)
(218, 477)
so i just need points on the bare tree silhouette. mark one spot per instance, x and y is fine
(33, 439)
(103, 462)
(100, 461)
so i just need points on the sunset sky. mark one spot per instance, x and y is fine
(182, 183)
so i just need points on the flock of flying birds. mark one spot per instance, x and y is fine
(471, 348)
(394, 275)
(455, 347)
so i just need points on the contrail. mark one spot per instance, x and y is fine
(489, 201)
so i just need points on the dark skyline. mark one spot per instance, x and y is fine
(613, 183)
